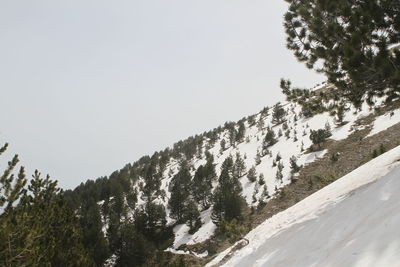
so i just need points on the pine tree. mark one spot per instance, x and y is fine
(265, 194)
(223, 146)
(241, 132)
(258, 158)
(265, 112)
(135, 249)
(192, 216)
(37, 228)
(202, 182)
(340, 114)
(239, 166)
(93, 238)
(279, 175)
(293, 165)
(319, 136)
(131, 198)
(261, 180)
(269, 140)
(232, 135)
(250, 120)
(180, 193)
(278, 114)
(260, 123)
(150, 220)
(152, 181)
(227, 200)
(255, 192)
(287, 134)
(278, 157)
(350, 41)
(252, 174)
(11, 188)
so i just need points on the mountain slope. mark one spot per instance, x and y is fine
(292, 141)
(356, 135)
(351, 222)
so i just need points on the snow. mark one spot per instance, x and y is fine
(206, 230)
(181, 252)
(296, 145)
(385, 121)
(350, 222)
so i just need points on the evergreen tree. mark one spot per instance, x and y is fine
(261, 180)
(227, 198)
(251, 120)
(223, 146)
(252, 174)
(258, 158)
(135, 249)
(265, 194)
(37, 228)
(279, 175)
(340, 114)
(265, 112)
(152, 181)
(131, 198)
(202, 182)
(192, 216)
(232, 135)
(241, 132)
(254, 196)
(260, 123)
(278, 114)
(351, 39)
(180, 193)
(319, 136)
(150, 220)
(239, 166)
(278, 157)
(93, 237)
(269, 140)
(293, 165)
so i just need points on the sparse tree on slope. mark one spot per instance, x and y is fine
(278, 114)
(319, 136)
(269, 140)
(252, 174)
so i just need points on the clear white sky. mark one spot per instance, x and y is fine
(88, 86)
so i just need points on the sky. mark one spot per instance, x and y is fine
(87, 86)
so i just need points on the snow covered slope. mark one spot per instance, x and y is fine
(351, 222)
(293, 141)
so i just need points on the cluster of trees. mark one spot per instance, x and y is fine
(107, 207)
(37, 227)
(319, 136)
(188, 193)
(111, 221)
(227, 199)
